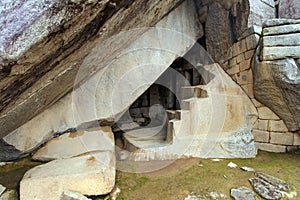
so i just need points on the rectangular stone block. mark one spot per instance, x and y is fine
(281, 138)
(248, 89)
(230, 52)
(263, 124)
(236, 49)
(252, 41)
(240, 58)
(234, 69)
(261, 136)
(232, 61)
(284, 29)
(246, 64)
(249, 54)
(277, 126)
(242, 45)
(271, 147)
(245, 77)
(266, 113)
(257, 103)
(279, 22)
(282, 40)
(296, 139)
(275, 53)
(225, 65)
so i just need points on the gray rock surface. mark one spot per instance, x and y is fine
(278, 183)
(282, 40)
(8, 152)
(280, 52)
(242, 193)
(69, 195)
(277, 85)
(77, 143)
(42, 50)
(260, 11)
(270, 187)
(280, 22)
(92, 174)
(265, 189)
(282, 29)
(289, 9)
(105, 96)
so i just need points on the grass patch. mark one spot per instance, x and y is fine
(211, 177)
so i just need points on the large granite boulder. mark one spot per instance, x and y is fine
(92, 174)
(43, 43)
(103, 96)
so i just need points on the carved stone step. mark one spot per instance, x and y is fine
(194, 91)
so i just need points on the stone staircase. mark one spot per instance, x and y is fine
(206, 125)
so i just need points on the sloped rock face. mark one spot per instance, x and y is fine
(41, 51)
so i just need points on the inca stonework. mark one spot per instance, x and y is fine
(103, 83)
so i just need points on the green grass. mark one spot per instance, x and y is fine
(182, 181)
(185, 176)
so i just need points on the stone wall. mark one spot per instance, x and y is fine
(242, 64)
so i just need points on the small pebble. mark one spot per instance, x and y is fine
(248, 169)
(232, 165)
(216, 160)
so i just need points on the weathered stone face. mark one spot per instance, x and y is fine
(277, 76)
(289, 9)
(104, 95)
(45, 65)
(277, 85)
(227, 21)
(92, 174)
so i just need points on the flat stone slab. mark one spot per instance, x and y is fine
(77, 143)
(92, 174)
(276, 53)
(283, 29)
(242, 193)
(278, 22)
(69, 195)
(265, 189)
(282, 40)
